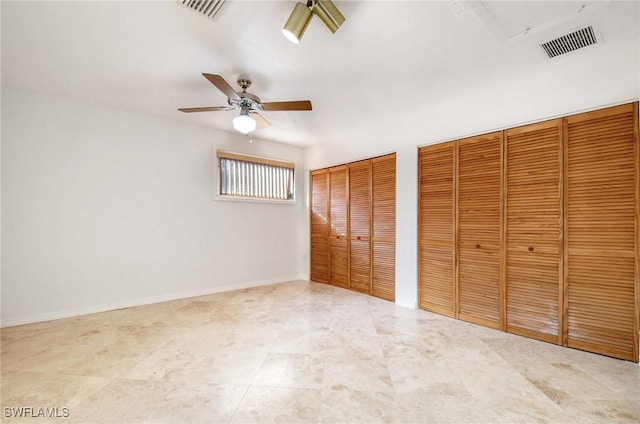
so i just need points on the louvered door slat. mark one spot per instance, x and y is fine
(360, 265)
(479, 229)
(338, 246)
(384, 197)
(534, 215)
(319, 261)
(383, 211)
(437, 228)
(360, 226)
(319, 203)
(436, 279)
(339, 264)
(600, 252)
(359, 199)
(384, 270)
(338, 203)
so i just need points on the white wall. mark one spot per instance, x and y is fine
(104, 208)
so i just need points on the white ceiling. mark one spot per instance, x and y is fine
(390, 64)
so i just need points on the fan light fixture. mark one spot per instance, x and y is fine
(244, 123)
(301, 16)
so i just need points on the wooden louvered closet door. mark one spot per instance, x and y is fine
(479, 229)
(338, 247)
(436, 230)
(533, 161)
(601, 252)
(319, 226)
(383, 210)
(360, 226)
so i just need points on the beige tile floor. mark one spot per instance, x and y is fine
(303, 352)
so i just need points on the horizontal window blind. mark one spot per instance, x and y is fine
(254, 177)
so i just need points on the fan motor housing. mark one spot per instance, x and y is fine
(247, 100)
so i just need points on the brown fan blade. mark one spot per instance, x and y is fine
(205, 109)
(296, 105)
(260, 121)
(222, 85)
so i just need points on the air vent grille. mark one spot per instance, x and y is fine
(567, 43)
(208, 8)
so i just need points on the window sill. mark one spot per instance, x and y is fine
(217, 197)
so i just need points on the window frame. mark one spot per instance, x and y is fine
(224, 154)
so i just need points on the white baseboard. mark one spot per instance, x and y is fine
(50, 316)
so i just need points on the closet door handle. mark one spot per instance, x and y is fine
(530, 249)
(477, 246)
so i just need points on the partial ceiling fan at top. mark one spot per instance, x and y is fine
(249, 105)
(301, 16)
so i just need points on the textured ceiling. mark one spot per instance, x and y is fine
(390, 67)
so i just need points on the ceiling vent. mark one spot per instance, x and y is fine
(208, 8)
(567, 43)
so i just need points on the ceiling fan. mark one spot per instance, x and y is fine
(249, 104)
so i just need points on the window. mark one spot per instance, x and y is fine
(244, 176)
